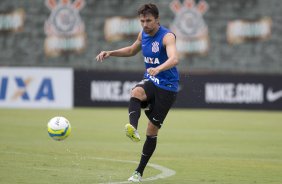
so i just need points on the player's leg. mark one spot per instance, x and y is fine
(156, 115)
(134, 111)
(148, 147)
(137, 96)
(148, 150)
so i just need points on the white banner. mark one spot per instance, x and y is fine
(23, 87)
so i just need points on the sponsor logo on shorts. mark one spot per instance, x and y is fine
(155, 119)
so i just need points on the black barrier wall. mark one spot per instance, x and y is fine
(230, 91)
(224, 91)
(96, 88)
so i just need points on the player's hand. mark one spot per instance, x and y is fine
(103, 55)
(153, 71)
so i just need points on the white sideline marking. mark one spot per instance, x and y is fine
(165, 172)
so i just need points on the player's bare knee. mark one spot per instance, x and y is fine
(152, 130)
(139, 93)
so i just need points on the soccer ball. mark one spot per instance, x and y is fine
(59, 128)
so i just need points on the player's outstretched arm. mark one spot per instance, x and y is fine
(103, 55)
(123, 52)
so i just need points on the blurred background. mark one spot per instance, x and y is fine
(230, 52)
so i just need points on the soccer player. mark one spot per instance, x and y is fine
(157, 91)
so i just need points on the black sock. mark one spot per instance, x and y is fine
(134, 111)
(148, 150)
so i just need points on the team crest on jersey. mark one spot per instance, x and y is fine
(64, 27)
(155, 47)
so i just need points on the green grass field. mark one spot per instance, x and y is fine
(201, 146)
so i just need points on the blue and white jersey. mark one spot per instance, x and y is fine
(155, 54)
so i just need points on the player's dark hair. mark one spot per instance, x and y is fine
(149, 9)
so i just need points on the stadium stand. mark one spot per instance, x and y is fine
(26, 48)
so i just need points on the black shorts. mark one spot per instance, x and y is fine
(158, 102)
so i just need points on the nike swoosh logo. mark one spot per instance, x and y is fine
(131, 113)
(273, 96)
(155, 119)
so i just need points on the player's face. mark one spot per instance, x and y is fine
(149, 23)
